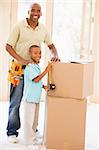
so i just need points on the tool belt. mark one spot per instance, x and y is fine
(15, 73)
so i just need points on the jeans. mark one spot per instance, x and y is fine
(16, 94)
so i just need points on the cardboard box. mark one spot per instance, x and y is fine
(65, 123)
(73, 80)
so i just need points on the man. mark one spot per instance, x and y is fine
(25, 34)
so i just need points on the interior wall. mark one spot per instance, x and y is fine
(8, 17)
(96, 52)
(49, 23)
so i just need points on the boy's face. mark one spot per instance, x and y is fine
(35, 54)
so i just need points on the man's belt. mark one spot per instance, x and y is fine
(23, 67)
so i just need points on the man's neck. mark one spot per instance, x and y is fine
(33, 24)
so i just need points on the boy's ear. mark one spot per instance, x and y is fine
(28, 12)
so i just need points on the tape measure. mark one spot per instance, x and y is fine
(50, 81)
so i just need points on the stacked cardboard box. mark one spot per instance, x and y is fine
(72, 80)
(66, 106)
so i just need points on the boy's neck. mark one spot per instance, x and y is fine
(34, 62)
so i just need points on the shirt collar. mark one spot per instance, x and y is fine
(28, 26)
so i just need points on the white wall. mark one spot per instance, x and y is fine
(96, 52)
(8, 17)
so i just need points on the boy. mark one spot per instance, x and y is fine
(32, 93)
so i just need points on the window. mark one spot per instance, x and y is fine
(87, 29)
(72, 28)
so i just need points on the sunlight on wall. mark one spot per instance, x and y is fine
(72, 28)
(67, 21)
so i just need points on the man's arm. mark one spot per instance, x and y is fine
(54, 52)
(12, 52)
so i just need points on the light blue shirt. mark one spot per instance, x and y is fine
(32, 90)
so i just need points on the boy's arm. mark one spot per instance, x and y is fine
(38, 78)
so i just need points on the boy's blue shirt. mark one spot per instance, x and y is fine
(32, 90)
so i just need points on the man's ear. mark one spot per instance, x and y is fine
(40, 13)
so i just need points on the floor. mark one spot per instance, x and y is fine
(92, 128)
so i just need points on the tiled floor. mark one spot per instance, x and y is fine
(92, 129)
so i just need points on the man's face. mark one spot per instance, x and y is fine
(34, 12)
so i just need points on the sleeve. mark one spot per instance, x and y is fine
(47, 40)
(14, 36)
(32, 72)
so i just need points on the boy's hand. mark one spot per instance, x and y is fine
(49, 67)
(46, 87)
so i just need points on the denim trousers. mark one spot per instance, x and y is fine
(14, 123)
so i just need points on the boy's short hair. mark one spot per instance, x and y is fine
(33, 46)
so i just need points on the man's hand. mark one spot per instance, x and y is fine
(13, 53)
(55, 59)
(54, 52)
(25, 62)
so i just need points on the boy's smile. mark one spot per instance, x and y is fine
(35, 54)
